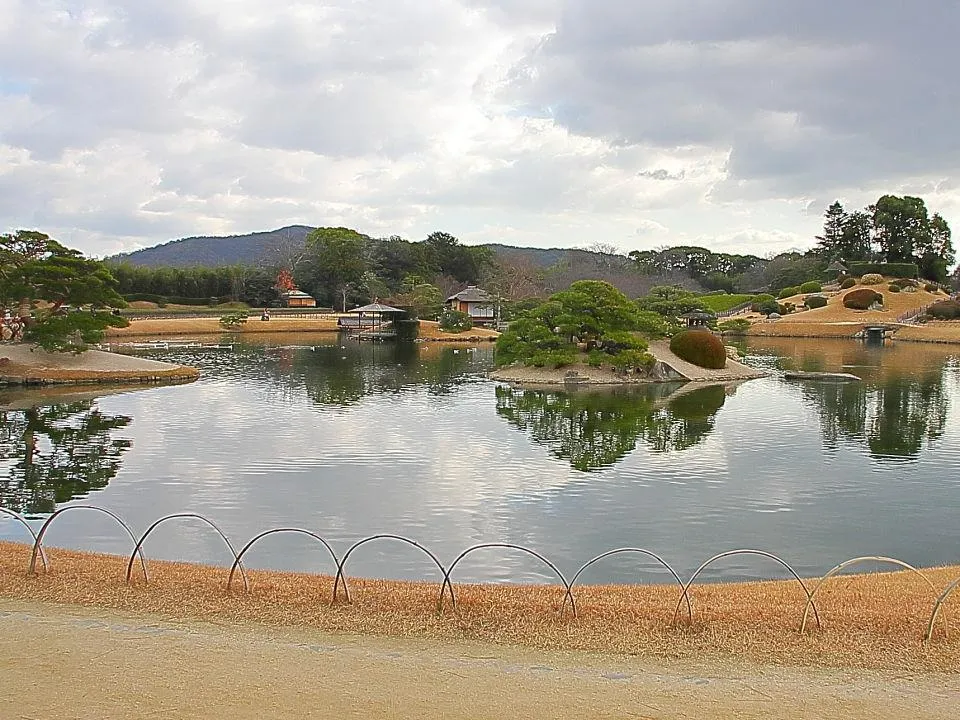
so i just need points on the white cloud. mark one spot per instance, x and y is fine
(546, 122)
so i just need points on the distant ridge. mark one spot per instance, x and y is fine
(249, 249)
(254, 248)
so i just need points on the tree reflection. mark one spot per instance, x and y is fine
(343, 375)
(895, 416)
(50, 455)
(593, 430)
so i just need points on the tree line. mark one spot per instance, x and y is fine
(892, 230)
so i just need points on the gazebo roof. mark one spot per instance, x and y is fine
(376, 308)
(698, 315)
(295, 294)
(837, 266)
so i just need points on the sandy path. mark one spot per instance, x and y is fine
(64, 662)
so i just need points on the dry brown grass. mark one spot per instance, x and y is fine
(279, 324)
(211, 325)
(870, 621)
(430, 330)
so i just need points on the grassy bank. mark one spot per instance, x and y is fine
(869, 621)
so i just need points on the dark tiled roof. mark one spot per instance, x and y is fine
(472, 294)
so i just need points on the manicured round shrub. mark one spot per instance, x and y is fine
(893, 288)
(902, 283)
(930, 287)
(871, 279)
(861, 299)
(815, 301)
(811, 286)
(848, 283)
(700, 347)
(945, 310)
(788, 292)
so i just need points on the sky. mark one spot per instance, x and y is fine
(730, 124)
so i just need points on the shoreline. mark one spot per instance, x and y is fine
(25, 365)
(875, 621)
(669, 368)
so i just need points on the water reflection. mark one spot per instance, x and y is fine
(50, 455)
(596, 429)
(900, 406)
(895, 418)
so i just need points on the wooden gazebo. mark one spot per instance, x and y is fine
(374, 321)
(698, 318)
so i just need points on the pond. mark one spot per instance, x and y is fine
(349, 440)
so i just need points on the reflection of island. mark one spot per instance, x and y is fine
(50, 455)
(895, 416)
(593, 430)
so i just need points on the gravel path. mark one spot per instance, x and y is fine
(63, 662)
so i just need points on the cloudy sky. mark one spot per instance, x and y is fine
(552, 123)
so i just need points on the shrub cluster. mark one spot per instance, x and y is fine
(904, 283)
(930, 287)
(700, 347)
(454, 321)
(815, 301)
(234, 319)
(897, 270)
(871, 279)
(893, 288)
(737, 326)
(848, 283)
(945, 310)
(811, 286)
(760, 300)
(861, 299)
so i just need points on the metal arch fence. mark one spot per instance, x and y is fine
(446, 573)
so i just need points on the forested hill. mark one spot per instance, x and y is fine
(254, 248)
(216, 251)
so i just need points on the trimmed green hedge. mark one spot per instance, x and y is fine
(861, 299)
(815, 301)
(700, 347)
(811, 286)
(893, 288)
(897, 270)
(788, 292)
(848, 283)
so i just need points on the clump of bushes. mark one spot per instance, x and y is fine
(861, 299)
(811, 286)
(847, 284)
(234, 319)
(930, 287)
(759, 300)
(786, 308)
(871, 279)
(454, 321)
(893, 288)
(788, 292)
(700, 347)
(737, 326)
(815, 301)
(945, 310)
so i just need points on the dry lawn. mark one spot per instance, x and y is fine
(870, 621)
(278, 324)
(835, 320)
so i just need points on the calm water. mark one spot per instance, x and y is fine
(351, 440)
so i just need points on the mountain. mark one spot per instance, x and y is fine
(263, 246)
(214, 251)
